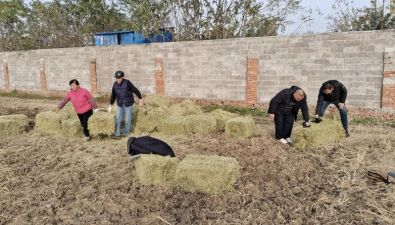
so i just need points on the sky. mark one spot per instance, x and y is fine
(319, 24)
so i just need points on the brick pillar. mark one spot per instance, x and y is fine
(43, 76)
(388, 91)
(6, 78)
(159, 79)
(252, 80)
(93, 76)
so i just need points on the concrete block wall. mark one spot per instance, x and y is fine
(355, 59)
(248, 71)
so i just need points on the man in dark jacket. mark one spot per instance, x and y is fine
(123, 90)
(333, 92)
(284, 108)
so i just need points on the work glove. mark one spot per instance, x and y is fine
(96, 110)
(109, 108)
(317, 120)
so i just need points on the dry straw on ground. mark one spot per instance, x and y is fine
(156, 169)
(102, 123)
(48, 122)
(222, 117)
(207, 174)
(327, 131)
(240, 127)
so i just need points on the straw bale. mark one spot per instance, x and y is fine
(22, 119)
(240, 127)
(317, 134)
(157, 101)
(67, 111)
(185, 108)
(175, 125)
(48, 122)
(202, 124)
(222, 117)
(72, 128)
(148, 118)
(206, 174)
(156, 169)
(101, 123)
(10, 127)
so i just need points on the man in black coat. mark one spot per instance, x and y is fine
(333, 92)
(284, 108)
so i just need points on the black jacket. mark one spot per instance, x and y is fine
(148, 145)
(339, 93)
(283, 98)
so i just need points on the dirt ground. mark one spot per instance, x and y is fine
(54, 180)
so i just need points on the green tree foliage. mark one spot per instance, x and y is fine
(11, 24)
(351, 18)
(72, 23)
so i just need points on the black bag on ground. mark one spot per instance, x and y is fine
(148, 145)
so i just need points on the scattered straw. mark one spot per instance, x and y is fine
(207, 174)
(155, 169)
(240, 127)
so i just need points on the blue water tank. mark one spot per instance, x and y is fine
(131, 37)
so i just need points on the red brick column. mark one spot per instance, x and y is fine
(93, 76)
(6, 78)
(43, 76)
(388, 92)
(252, 80)
(159, 79)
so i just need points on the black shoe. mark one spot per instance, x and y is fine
(116, 137)
(347, 134)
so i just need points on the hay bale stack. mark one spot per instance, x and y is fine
(222, 117)
(72, 128)
(201, 124)
(206, 174)
(48, 122)
(102, 123)
(9, 127)
(157, 101)
(317, 134)
(148, 119)
(156, 169)
(175, 125)
(186, 108)
(240, 127)
(21, 119)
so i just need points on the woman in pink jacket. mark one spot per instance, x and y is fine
(83, 103)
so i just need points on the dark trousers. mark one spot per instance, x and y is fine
(343, 112)
(284, 123)
(84, 120)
